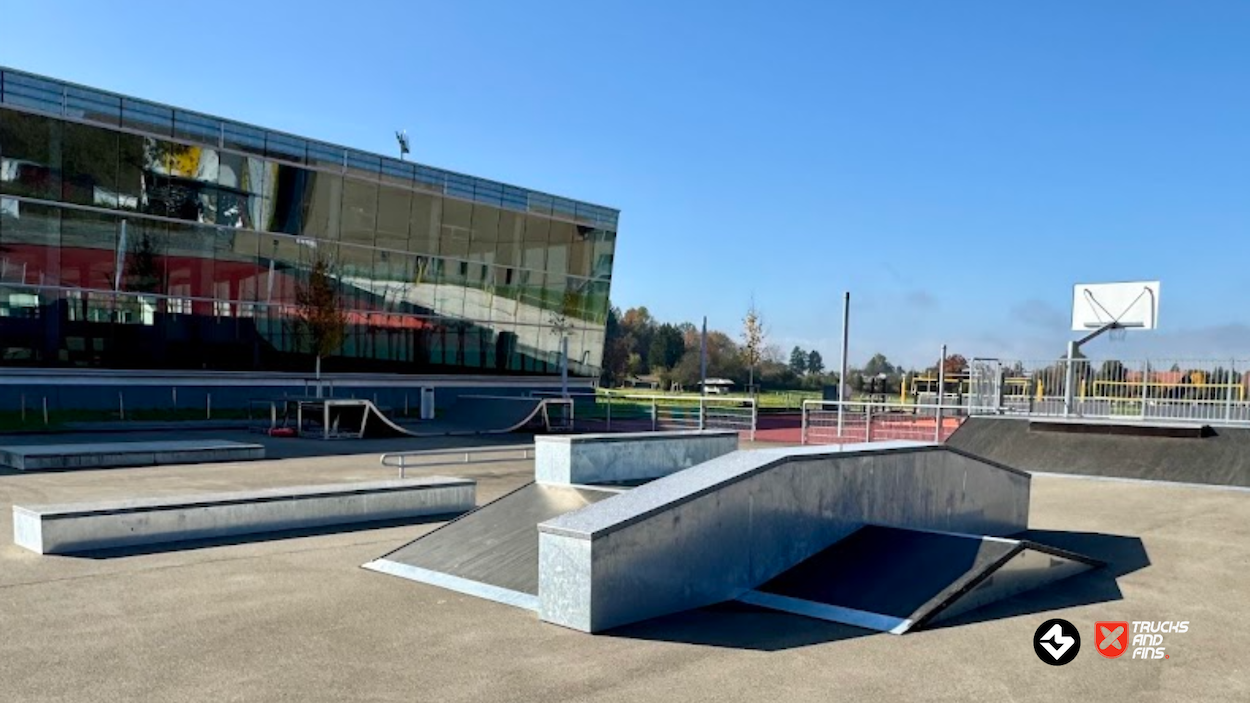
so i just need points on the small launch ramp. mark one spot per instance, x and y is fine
(895, 580)
(491, 552)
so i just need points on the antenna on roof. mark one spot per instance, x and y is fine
(402, 137)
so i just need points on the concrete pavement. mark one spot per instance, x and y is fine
(296, 619)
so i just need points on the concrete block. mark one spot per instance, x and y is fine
(625, 457)
(99, 455)
(75, 527)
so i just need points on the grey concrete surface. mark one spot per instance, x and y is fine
(53, 455)
(625, 456)
(706, 534)
(75, 527)
(296, 619)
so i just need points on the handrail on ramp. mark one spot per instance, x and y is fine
(400, 461)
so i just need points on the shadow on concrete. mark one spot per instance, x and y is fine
(1121, 554)
(739, 626)
(233, 540)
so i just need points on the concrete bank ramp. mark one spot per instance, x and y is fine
(491, 552)
(1216, 456)
(895, 580)
(712, 532)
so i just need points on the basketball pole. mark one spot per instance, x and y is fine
(1074, 348)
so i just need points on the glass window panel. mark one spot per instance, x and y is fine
(510, 233)
(399, 173)
(394, 213)
(488, 192)
(284, 257)
(197, 128)
(562, 235)
(88, 249)
(425, 224)
(320, 154)
(603, 244)
(321, 215)
(243, 138)
(92, 106)
(580, 252)
(190, 269)
(147, 117)
(30, 162)
(238, 265)
(534, 244)
(456, 228)
(286, 147)
(459, 186)
(147, 257)
(30, 243)
(292, 190)
(363, 165)
(540, 203)
(515, 198)
(89, 166)
(432, 178)
(131, 161)
(360, 212)
(33, 92)
(355, 269)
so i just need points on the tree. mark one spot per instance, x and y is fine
(798, 360)
(320, 318)
(615, 349)
(956, 364)
(815, 364)
(753, 335)
(879, 365)
(667, 346)
(142, 271)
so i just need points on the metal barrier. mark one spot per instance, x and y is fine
(1209, 391)
(405, 460)
(836, 422)
(695, 412)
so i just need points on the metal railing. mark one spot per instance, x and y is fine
(1209, 391)
(469, 455)
(694, 412)
(838, 422)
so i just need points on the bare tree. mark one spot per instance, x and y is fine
(320, 316)
(753, 336)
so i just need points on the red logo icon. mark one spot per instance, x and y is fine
(1112, 638)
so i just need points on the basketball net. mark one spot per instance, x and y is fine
(1117, 334)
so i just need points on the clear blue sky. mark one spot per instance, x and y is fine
(956, 165)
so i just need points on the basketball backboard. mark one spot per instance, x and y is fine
(1133, 305)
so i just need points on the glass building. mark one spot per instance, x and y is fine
(140, 236)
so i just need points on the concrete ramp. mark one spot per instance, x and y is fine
(1214, 455)
(101, 455)
(711, 532)
(491, 552)
(895, 580)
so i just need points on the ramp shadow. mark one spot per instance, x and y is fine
(1121, 555)
(259, 537)
(739, 626)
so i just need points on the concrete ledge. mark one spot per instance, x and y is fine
(623, 457)
(99, 455)
(76, 527)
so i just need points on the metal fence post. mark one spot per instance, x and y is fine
(803, 422)
(1228, 391)
(755, 416)
(609, 428)
(867, 422)
(121, 405)
(702, 413)
(654, 414)
(1145, 387)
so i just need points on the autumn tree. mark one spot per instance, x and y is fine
(753, 335)
(320, 316)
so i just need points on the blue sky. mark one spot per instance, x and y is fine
(957, 166)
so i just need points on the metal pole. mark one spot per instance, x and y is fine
(45, 410)
(703, 359)
(802, 422)
(121, 405)
(1069, 381)
(208, 406)
(120, 259)
(609, 427)
(1145, 386)
(846, 338)
(937, 426)
(23, 408)
(1228, 391)
(754, 418)
(867, 422)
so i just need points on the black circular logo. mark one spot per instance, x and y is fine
(1056, 642)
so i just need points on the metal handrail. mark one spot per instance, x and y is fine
(400, 459)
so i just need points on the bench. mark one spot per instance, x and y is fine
(76, 527)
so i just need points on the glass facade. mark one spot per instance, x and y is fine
(135, 235)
